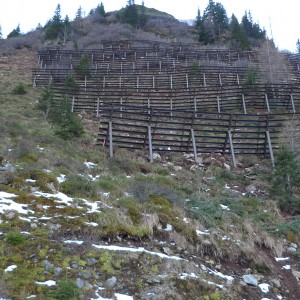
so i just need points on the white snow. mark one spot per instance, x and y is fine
(5, 195)
(91, 224)
(90, 165)
(219, 274)
(168, 228)
(224, 207)
(281, 258)
(199, 232)
(30, 180)
(123, 297)
(140, 249)
(10, 268)
(48, 282)
(93, 178)
(6, 204)
(61, 178)
(185, 275)
(286, 267)
(264, 287)
(73, 242)
(62, 198)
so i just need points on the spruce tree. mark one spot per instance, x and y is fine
(100, 9)
(130, 14)
(238, 33)
(298, 46)
(55, 26)
(15, 33)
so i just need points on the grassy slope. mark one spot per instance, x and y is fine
(141, 198)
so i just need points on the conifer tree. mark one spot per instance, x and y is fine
(238, 33)
(100, 9)
(55, 26)
(298, 46)
(142, 17)
(130, 14)
(15, 33)
(0, 32)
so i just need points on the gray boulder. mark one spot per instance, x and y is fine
(250, 280)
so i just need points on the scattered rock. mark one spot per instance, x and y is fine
(85, 274)
(10, 215)
(79, 283)
(91, 261)
(177, 168)
(276, 282)
(227, 167)
(58, 271)
(111, 282)
(296, 274)
(167, 251)
(206, 242)
(156, 156)
(48, 265)
(250, 280)
(250, 189)
(294, 245)
(291, 250)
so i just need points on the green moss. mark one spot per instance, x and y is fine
(159, 200)
(15, 238)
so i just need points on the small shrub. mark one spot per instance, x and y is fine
(84, 67)
(77, 185)
(67, 124)
(251, 77)
(20, 89)
(66, 290)
(15, 238)
(133, 209)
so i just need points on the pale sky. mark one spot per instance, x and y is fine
(282, 18)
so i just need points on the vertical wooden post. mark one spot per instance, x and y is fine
(187, 81)
(293, 104)
(150, 144)
(231, 149)
(171, 81)
(267, 102)
(153, 82)
(195, 103)
(85, 80)
(238, 79)
(220, 79)
(137, 83)
(270, 148)
(244, 104)
(194, 143)
(218, 105)
(104, 82)
(171, 106)
(160, 66)
(73, 104)
(120, 82)
(111, 153)
(98, 106)
(204, 79)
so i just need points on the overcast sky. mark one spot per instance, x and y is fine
(280, 18)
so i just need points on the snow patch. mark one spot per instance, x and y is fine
(264, 287)
(48, 282)
(6, 204)
(281, 258)
(286, 267)
(61, 178)
(10, 268)
(90, 165)
(73, 242)
(140, 249)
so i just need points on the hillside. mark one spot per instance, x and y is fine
(168, 192)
